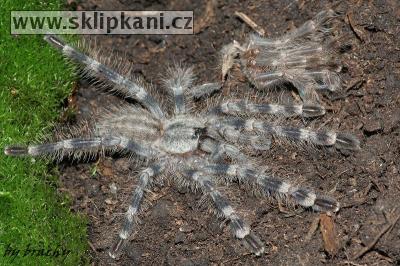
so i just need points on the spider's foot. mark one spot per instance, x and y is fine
(15, 150)
(253, 244)
(115, 251)
(347, 142)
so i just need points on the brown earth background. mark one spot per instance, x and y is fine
(175, 231)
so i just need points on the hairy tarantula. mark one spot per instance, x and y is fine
(202, 149)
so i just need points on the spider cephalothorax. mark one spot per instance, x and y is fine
(181, 134)
(195, 149)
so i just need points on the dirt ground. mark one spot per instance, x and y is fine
(175, 231)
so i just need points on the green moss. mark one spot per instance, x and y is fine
(34, 80)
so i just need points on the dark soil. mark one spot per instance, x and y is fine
(175, 231)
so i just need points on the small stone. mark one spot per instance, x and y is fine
(368, 99)
(391, 121)
(113, 188)
(353, 182)
(352, 109)
(160, 213)
(180, 237)
(186, 262)
(134, 253)
(202, 261)
(110, 201)
(201, 236)
(107, 171)
(372, 126)
(215, 227)
(122, 164)
(93, 189)
(186, 228)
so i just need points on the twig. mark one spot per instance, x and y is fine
(206, 18)
(250, 22)
(376, 239)
(92, 246)
(235, 259)
(313, 228)
(347, 262)
(359, 33)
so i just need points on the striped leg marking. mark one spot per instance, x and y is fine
(326, 80)
(124, 85)
(76, 145)
(243, 108)
(260, 142)
(323, 138)
(180, 80)
(64, 146)
(133, 209)
(274, 186)
(221, 150)
(309, 27)
(136, 148)
(204, 90)
(238, 226)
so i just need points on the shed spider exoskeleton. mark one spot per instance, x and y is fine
(302, 57)
(197, 149)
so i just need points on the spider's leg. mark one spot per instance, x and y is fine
(264, 80)
(246, 108)
(269, 76)
(289, 58)
(308, 28)
(79, 146)
(259, 142)
(274, 186)
(305, 84)
(326, 80)
(64, 147)
(293, 70)
(179, 80)
(323, 138)
(308, 51)
(132, 213)
(239, 227)
(204, 90)
(219, 150)
(228, 54)
(137, 148)
(124, 85)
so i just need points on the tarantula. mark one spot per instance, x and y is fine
(204, 148)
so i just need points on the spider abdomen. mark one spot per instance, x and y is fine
(132, 123)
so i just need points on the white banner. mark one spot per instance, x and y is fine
(102, 22)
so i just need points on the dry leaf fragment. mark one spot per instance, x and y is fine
(329, 236)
